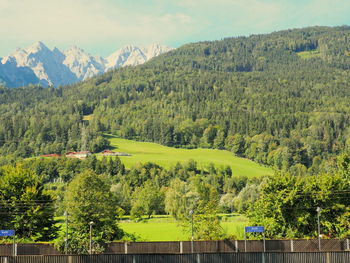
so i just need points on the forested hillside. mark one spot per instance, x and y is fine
(280, 99)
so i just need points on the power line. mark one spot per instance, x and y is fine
(50, 201)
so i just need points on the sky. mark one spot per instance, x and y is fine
(101, 27)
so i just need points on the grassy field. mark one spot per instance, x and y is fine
(309, 54)
(165, 228)
(143, 152)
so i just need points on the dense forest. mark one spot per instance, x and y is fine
(280, 99)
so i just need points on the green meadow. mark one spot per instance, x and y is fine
(165, 228)
(142, 152)
(309, 54)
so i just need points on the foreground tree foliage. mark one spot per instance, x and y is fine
(205, 217)
(287, 205)
(88, 199)
(103, 191)
(180, 199)
(147, 200)
(24, 205)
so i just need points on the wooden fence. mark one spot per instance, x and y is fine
(249, 257)
(184, 247)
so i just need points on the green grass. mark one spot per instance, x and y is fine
(165, 228)
(143, 152)
(309, 54)
(150, 231)
(88, 117)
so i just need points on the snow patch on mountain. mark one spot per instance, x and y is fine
(126, 56)
(82, 64)
(155, 50)
(11, 75)
(41, 65)
(132, 56)
(46, 64)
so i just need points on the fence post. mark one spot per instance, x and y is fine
(236, 245)
(328, 258)
(198, 258)
(181, 247)
(264, 242)
(291, 245)
(347, 244)
(126, 248)
(5, 260)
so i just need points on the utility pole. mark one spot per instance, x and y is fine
(318, 227)
(66, 241)
(192, 238)
(90, 248)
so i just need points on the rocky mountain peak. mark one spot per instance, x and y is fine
(53, 67)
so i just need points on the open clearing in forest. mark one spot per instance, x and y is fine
(142, 152)
(309, 54)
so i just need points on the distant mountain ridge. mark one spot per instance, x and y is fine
(38, 64)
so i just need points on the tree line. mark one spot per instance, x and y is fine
(34, 192)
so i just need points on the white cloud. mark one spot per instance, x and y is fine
(166, 26)
(257, 13)
(244, 17)
(108, 24)
(325, 12)
(65, 19)
(176, 18)
(4, 4)
(85, 22)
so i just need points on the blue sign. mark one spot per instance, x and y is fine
(7, 233)
(254, 229)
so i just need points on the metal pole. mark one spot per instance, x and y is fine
(192, 238)
(90, 248)
(14, 246)
(318, 228)
(245, 241)
(66, 241)
(264, 242)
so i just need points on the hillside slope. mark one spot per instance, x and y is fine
(279, 99)
(143, 152)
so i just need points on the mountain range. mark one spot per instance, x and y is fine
(281, 99)
(38, 64)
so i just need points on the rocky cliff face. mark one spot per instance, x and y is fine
(38, 64)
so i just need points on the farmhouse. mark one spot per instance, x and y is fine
(79, 155)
